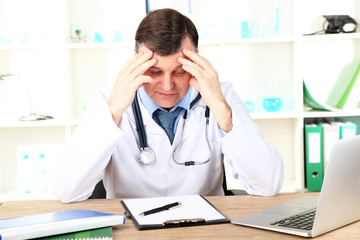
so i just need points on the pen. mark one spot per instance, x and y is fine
(160, 209)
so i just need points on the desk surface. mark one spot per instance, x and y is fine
(232, 206)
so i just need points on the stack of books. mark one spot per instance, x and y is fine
(104, 233)
(72, 224)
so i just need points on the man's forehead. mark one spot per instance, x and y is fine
(166, 63)
(176, 54)
(160, 68)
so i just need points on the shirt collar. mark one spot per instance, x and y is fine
(151, 106)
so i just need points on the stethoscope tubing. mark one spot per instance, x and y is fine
(192, 163)
(139, 123)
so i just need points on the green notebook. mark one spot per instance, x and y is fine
(351, 96)
(309, 101)
(104, 233)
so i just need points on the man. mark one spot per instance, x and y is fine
(165, 76)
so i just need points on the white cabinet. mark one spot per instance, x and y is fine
(272, 61)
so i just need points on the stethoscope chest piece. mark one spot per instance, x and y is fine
(146, 157)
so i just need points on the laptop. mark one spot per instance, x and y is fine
(337, 205)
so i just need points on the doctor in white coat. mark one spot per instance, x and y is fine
(166, 73)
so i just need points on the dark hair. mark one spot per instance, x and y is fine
(163, 31)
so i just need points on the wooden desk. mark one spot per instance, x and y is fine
(232, 206)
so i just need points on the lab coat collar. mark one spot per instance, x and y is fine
(150, 125)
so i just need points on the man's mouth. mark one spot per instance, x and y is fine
(166, 95)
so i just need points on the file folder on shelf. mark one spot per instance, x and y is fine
(347, 129)
(331, 134)
(314, 156)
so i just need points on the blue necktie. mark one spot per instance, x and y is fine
(166, 121)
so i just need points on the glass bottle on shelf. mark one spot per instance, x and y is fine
(272, 102)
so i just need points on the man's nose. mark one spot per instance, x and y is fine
(167, 83)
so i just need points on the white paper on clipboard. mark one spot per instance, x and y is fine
(192, 206)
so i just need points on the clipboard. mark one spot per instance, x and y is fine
(195, 210)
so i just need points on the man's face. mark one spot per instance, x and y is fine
(171, 80)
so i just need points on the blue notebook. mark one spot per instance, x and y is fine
(48, 224)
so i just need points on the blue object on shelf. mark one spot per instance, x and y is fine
(276, 20)
(117, 36)
(249, 106)
(98, 38)
(273, 104)
(246, 29)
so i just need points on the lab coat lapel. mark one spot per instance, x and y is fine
(150, 125)
(179, 131)
(192, 113)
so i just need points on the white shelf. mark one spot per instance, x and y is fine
(273, 39)
(274, 115)
(36, 47)
(39, 123)
(99, 45)
(317, 114)
(255, 115)
(325, 37)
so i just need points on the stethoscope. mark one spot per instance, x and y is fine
(147, 156)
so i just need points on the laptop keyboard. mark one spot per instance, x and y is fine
(299, 221)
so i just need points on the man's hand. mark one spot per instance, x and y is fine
(128, 81)
(205, 80)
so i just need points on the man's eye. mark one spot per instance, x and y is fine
(155, 73)
(179, 73)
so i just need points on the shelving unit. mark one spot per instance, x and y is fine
(61, 75)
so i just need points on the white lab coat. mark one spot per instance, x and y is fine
(101, 150)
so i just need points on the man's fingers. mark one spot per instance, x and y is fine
(141, 80)
(143, 68)
(136, 61)
(189, 66)
(132, 60)
(194, 83)
(196, 58)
